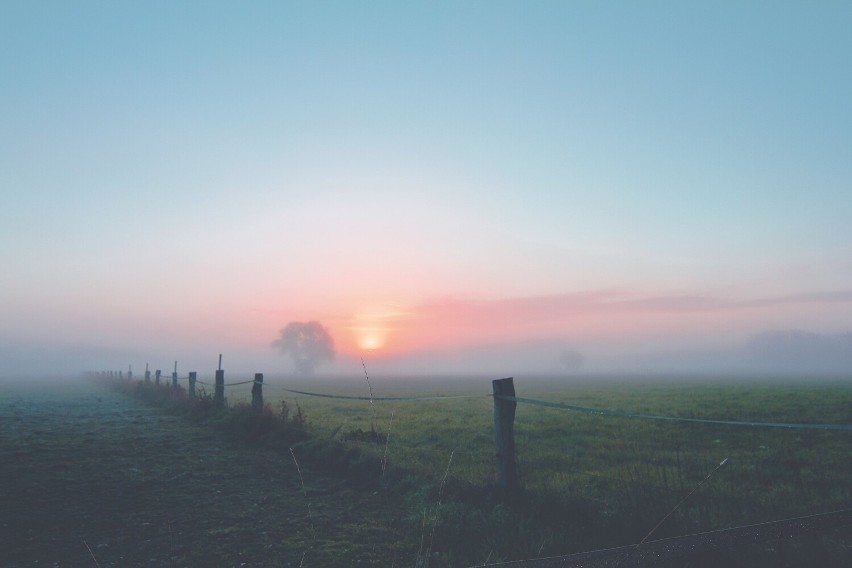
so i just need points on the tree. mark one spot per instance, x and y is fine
(571, 360)
(308, 344)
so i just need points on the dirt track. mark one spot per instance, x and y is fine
(91, 477)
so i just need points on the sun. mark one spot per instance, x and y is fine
(373, 329)
(370, 341)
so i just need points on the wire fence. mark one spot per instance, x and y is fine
(626, 556)
(558, 405)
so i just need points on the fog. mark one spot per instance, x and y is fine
(772, 353)
(802, 352)
(781, 353)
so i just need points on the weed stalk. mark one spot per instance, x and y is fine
(438, 509)
(387, 443)
(305, 493)
(370, 389)
(92, 554)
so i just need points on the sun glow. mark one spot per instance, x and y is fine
(372, 328)
(370, 340)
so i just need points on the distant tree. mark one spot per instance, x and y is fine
(308, 344)
(571, 360)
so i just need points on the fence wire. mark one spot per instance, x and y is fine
(648, 553)
(622, 414)
(367, 398)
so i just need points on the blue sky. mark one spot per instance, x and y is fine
(188, 177)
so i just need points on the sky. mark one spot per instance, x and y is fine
(446, 187)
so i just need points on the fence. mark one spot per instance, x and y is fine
(505, 404)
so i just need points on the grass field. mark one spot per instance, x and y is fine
(410, 483)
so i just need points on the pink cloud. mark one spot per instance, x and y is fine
(591, 314)
(606, 302)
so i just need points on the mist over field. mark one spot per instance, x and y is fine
(773, 353)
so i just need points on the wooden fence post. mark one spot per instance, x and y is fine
(504, 436)
(192, 377)
(174, 378)
(147, 374)
(219, 392)
(157, 374)
(257, 392)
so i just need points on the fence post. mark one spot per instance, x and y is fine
(219, 393)
(257, 392)
(147, 374)
(504, 436)
(157, 374)
(192, 377)
(174, 378)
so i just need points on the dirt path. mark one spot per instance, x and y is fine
(89, 477)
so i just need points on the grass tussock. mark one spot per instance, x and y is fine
(240, 420)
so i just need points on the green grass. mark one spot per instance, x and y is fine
(589, 481)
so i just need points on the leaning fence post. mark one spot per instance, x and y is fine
(257, 392)
(219, 392)
(157, 374)
(504, 436)
(192, 377)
